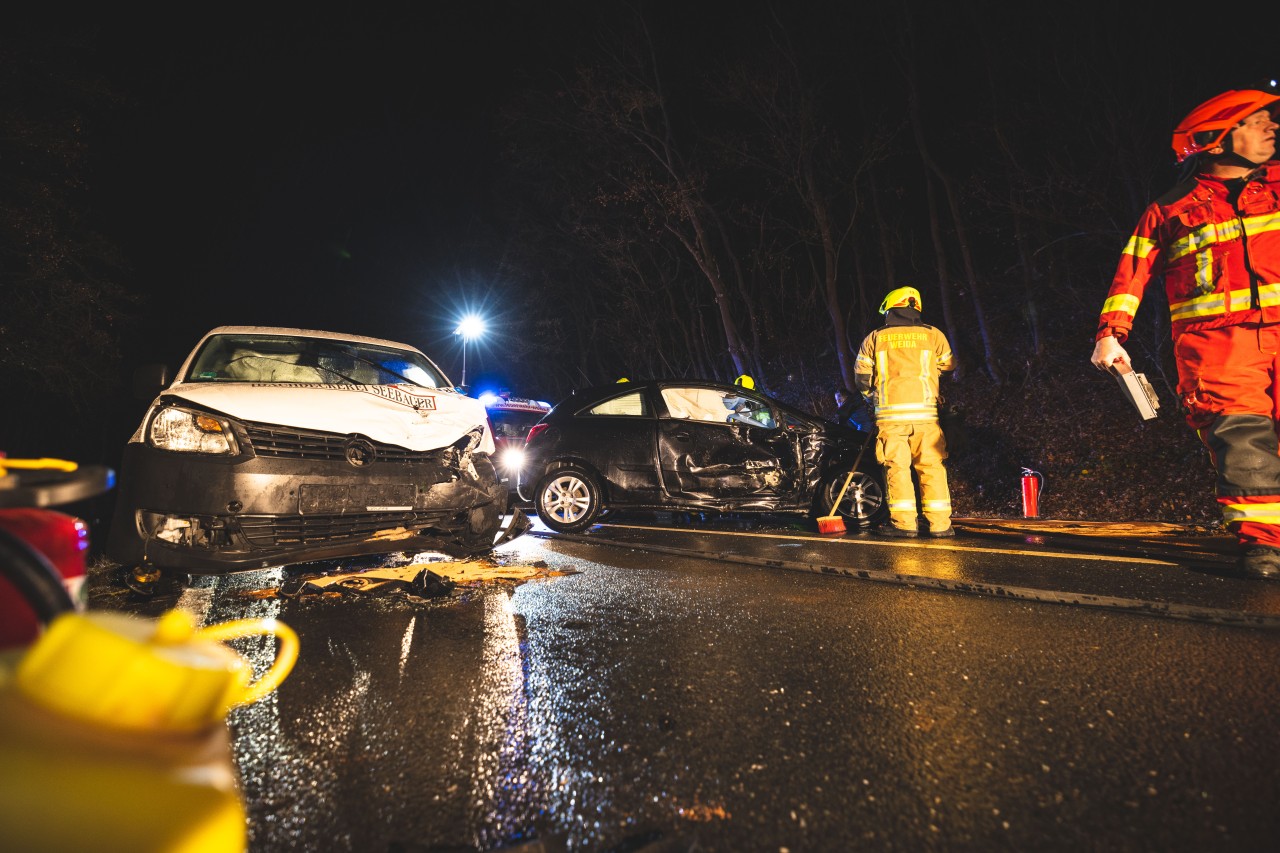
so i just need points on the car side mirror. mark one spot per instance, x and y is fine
(149, 380)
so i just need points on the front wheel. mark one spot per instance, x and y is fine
(568, 500)
(863, 504)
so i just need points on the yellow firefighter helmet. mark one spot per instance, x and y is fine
(902, 297)
(745, 381)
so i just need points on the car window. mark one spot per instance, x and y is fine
(794, 422)
(306, 360)
(627, 404)
(512, 424)
(713, 406)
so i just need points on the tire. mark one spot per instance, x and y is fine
(863, 504)
(568, 499)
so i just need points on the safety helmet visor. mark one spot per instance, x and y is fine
(1207, 125)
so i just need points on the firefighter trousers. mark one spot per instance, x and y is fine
(900, 448)
(1229, 382)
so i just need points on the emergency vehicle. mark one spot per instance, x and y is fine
(511, 418)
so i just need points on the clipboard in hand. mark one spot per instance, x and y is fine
(1137, 390)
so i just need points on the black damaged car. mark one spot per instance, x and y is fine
(696, 446)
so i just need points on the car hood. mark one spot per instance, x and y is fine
(409, 416)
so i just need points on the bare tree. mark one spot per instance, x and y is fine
(788, 141)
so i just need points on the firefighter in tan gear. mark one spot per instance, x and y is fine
(897, 371)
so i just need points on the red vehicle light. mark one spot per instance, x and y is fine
(534, 430)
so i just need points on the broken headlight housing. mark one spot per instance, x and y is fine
(195, 531)
(188, 431)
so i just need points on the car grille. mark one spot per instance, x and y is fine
(291, 443)
(266, 531)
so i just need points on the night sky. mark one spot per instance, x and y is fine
(333, 167)
(267, 162)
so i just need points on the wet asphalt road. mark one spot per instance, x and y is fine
(656, 701)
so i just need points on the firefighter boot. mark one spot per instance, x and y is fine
(1261, 561)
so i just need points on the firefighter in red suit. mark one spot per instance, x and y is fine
(1215, 238)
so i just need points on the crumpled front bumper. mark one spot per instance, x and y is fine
(213, 515)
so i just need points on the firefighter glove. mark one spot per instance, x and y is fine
(1107, 351)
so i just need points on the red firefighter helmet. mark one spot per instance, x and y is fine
(1208, 124)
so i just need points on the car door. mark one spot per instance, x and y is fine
(615, 437)
(721, 446)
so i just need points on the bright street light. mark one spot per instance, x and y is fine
(471, 327)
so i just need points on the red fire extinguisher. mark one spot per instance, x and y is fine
(1032, 484)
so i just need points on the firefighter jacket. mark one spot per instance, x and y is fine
(1220, 258)
(897, 371)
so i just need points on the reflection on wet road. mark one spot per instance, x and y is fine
(501, 782)
(1179, 577)
(680, 703)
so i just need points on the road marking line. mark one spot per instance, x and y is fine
(406, 643)
(917, 545)
(1136, 606)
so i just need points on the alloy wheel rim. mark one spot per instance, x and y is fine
(862, 504)
(567, 499)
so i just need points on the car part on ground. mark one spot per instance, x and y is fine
(276, 446)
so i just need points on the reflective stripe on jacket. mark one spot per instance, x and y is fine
(897, 370)
(1220, 262)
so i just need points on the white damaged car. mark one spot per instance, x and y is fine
(276, 446)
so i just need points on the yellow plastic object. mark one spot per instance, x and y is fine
(113, 734)
(36, 464)
(116, 671)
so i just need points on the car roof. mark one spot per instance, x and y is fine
(623, 387)
(308, 333)
(585, 396)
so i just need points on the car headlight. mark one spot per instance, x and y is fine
(513, 458)
(188, 431)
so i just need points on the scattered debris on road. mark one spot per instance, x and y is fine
(422, 580)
